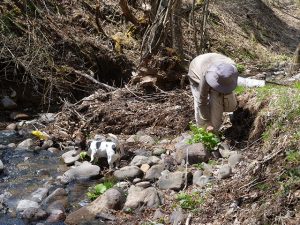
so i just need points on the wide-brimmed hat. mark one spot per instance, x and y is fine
(222, 77)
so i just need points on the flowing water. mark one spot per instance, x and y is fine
(26, 171)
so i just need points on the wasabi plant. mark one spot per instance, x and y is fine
(208, 139)
(99, 189)
(83, 155)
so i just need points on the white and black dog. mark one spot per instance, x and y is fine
(102, 148)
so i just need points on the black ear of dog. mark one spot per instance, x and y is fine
(98, 144)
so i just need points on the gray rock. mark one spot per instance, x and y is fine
(177, 217)
(208, 169)
(154, 172)
(46, 117)
(1, 166)
(136, 180)
(132, 139)
(26, 144)
(138, 196)
(158, 151)
(146, 139)
(11, 145)
(124, 185)
(11, 126)
(111, 199)
(182, 144)
(58, 194)
(199, 179)
(8, 103)
(56, 216)
(53, 150)
(25, 204)
(143, 184)
(224, 150)
(196, 154)
(234, 159)
(70, 157)
(224, 172)
(154, 160)
(142, 152)
(34, 214)
(128, 172)
(85, 171)
(47, 144)
(139, 160)
(39, 195)
(174, 181)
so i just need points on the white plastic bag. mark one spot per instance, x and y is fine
(248, 82)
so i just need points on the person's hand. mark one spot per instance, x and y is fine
(210, 129)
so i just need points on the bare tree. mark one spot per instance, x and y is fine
(205, 12)
(176, 28)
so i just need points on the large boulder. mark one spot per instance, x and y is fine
(154, 172)
(84, 171)
(112, 199)
(70, 157)
(8, 103)
(26, 144)
(26, 204)
(174, 181)
(196, 154)
(128, 172)
(138, 196)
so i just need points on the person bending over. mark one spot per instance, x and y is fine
(213, 77)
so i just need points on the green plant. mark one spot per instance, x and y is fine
(199, 134)
(263, 186)
(83, 155)
(240, 68)
(240, 90)
(189, 201)
(99, 189)
(199, 166)
(297, 85)
(212, 162)
(293, 156)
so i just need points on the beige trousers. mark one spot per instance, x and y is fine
(217, 104)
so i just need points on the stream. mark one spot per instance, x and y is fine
(25, 171)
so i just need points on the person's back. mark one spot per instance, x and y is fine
(201, 63)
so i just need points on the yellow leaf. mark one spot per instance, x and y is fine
(40, 135)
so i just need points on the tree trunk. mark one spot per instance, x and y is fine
(177, 28)
(203, 26)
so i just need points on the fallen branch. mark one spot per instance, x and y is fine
(102, 85)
